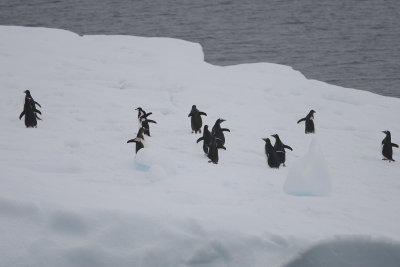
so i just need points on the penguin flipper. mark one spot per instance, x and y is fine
(22, 114)
(37, 117)
(151, 121)
(303, 119)
(201, 138)
(222, 147)
(145, 115)
(37, 111)
(37, 104)
(395, 145)
(203, 113)
(225, 130)
(288, 147)
(190, 114)
(131, 141)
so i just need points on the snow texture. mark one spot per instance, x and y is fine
(309, 175)
(74, 193)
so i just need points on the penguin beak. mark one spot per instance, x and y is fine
(384, 132)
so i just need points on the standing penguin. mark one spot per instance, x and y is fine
(309, 122)
(207, 138)
(218, 132)
(140, 112)
(33, 103)
(30, 115)
(138, 140)
(139, 144)
(387, 150)
(196, 121)
(280, 149)
(273, 160)
(146, 126)
(213, 151)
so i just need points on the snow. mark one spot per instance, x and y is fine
(73, 192)
(309, 175)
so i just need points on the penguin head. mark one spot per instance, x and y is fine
(266, 140)
(27, 92)
(219, 121)
(312, 111)
(194, 107)
(386, 132)
(205, 127)
(276, 136)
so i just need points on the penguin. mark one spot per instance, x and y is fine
(207, 138)
(140, 112)
(309, 122)
(33, 103)
(144, 116)
(145, 124)
(218, 132)
(387, 150)
(29, 113)
(280, 149)
(273, 160)
(196, 121)
(138, 140)
(213, 151)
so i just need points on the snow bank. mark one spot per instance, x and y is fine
(309, 176)
(350, 252)
(74, 193)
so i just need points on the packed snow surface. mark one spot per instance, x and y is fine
(73, 192)
(309, 176)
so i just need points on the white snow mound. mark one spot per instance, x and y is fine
(309, 176)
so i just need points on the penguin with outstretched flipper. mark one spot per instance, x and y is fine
(280, 149)
(218, 132)
(309, 119)
(146, 126)
(196, 121)
(207, 138)
(139, 140)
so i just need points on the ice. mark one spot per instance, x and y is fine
(309, 176)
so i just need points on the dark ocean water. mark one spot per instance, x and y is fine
(352, 43)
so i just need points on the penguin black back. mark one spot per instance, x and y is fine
(138, 141)
(146, 126)
(196, 121)
(30, 115)
(218, 132)
(309, 121)
(387, 147)
(213, 151)
(280, 149)
(273, 160)
(206, 139)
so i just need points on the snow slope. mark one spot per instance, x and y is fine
(73, 193)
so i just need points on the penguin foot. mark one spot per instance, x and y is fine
(283, 165)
